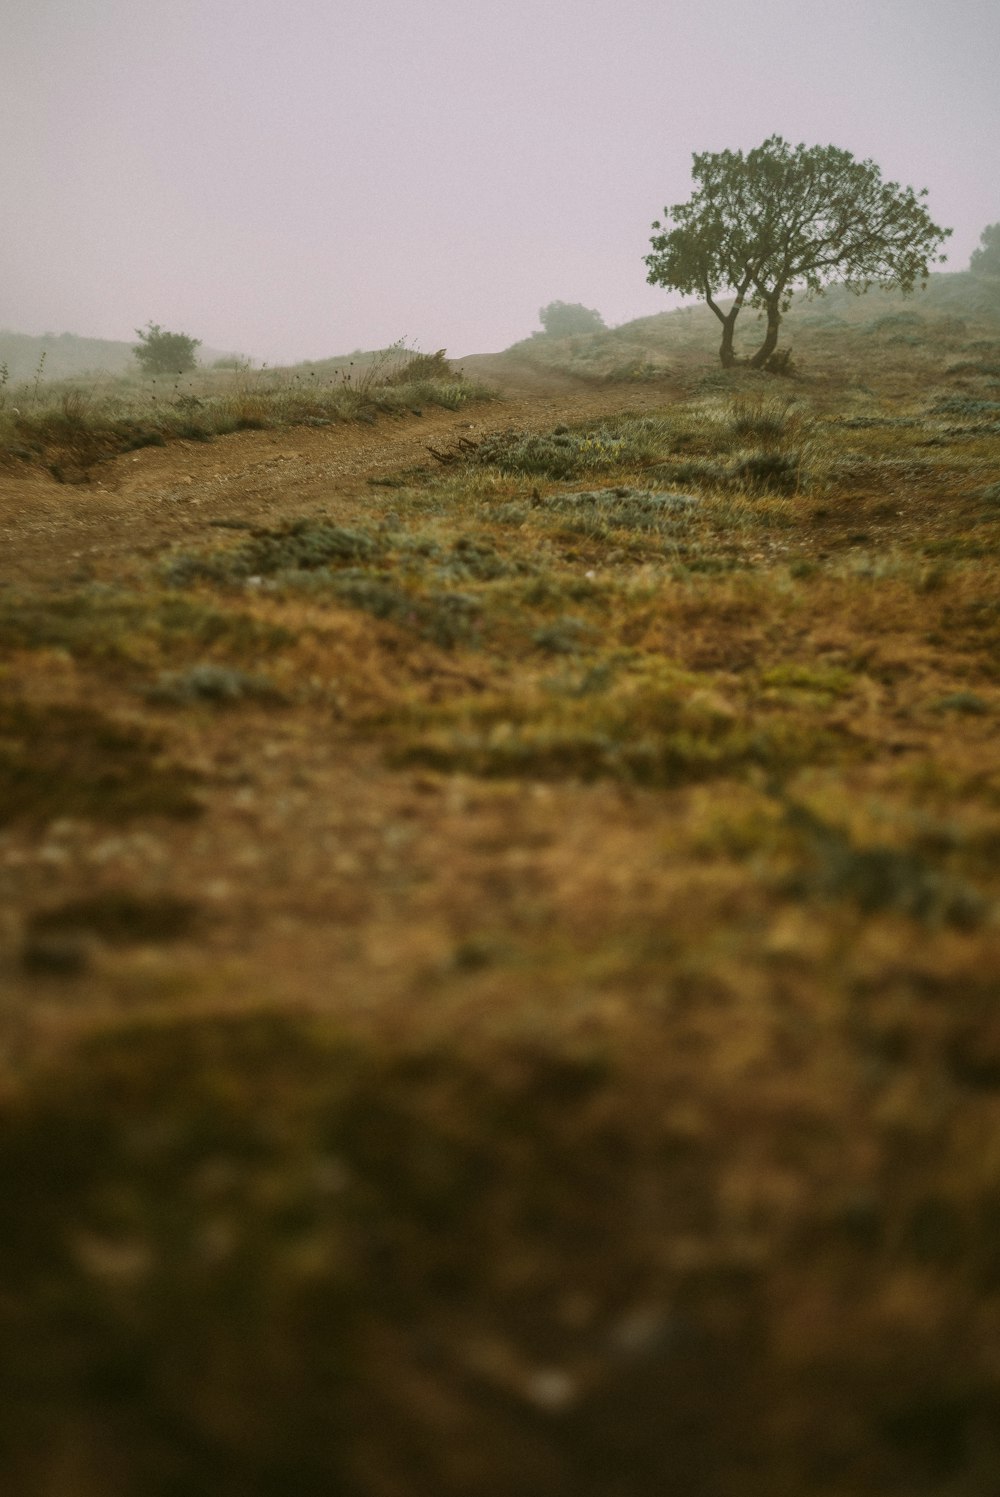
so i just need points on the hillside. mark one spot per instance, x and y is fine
(825, 330)
(500, 924)
(67, 356)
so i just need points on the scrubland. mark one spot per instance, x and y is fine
(501, 936)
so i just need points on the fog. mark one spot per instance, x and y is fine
(292, 180)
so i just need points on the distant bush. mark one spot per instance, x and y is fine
(562, 319)
(422, 366)
(160, 352)
(986, 259)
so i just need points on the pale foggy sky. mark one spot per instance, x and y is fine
(297, 178)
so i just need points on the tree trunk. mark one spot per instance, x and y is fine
(770, 342)
(728, 319)
(727, 353)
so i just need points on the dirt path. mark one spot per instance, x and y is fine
(139, 503)
(330, 878)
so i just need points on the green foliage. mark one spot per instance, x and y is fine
(562, 319)
(570, 452)
(646, 443)
(563, 636)
(986, 259)
(782, 217)
(966, 702)
(303, 545)
(160, 352)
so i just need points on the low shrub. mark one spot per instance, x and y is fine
(558, 454)
(770, 422)
(221, 685)
(965, 405)
(623, 508)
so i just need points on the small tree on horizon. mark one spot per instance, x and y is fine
(986, 259)
(160, 352)
(562, 319)
(782, 217)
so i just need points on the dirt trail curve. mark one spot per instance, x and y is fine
(295, 856)
(137, 504)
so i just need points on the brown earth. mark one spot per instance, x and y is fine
(644, 1216)
(333, 881)
(137, 504)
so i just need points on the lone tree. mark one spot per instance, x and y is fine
(784, 217)
(563, 319)
(986, 259)
(160, 352)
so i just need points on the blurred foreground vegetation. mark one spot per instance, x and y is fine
(501, 962)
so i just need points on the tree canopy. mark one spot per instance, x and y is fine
(782, 217)
(986, 259)
(562, 319)
(160, 352)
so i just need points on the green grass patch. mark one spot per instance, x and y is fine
(816, 682)
(663, 445)
(425, 579)
(644, 726)
(100, 623)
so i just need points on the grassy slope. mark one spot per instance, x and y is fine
(822, 331)
(660, 1154)
(72, 425)
(69, 356)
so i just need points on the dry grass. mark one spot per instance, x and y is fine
(71, 426)
(504, 969)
